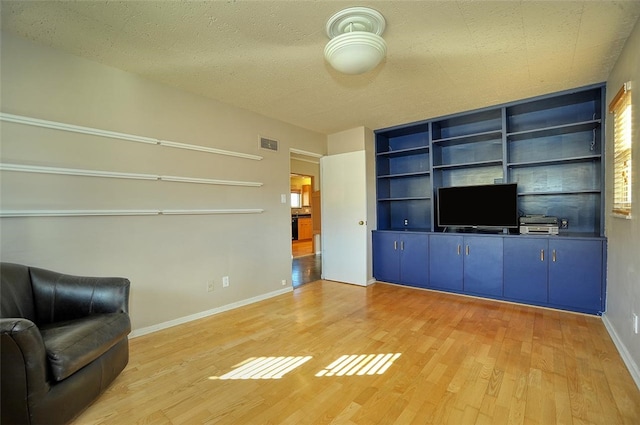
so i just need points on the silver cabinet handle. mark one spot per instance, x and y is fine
(542, 255)
(466, 250)
(458, 249)
(395, 245)
(553, 255)
(402, 246)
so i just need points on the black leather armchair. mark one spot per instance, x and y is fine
(63, 341)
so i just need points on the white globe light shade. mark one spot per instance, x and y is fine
(355, 52)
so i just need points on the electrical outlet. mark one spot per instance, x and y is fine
(225, 281)
(406, 222)
(635, 323)
(564, 223)
(284, 282)
(210, 285)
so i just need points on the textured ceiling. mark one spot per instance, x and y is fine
(267, 56)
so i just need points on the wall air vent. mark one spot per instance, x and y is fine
(269, 144)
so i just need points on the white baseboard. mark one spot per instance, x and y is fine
(192, 317)
(622, 349)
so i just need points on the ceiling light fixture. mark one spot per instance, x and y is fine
(355, 46)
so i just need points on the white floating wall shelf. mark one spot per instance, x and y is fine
(88, 213)
(121, 136)
(119, 175)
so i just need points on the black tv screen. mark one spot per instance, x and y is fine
(484, 206)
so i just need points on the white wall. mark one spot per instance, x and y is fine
(623, 269)
(168, 259)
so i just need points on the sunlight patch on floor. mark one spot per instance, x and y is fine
(363, 364)
(264, 368)
(277, 367)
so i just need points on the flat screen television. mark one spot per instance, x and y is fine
(492, 206)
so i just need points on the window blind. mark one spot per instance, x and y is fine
(621, 108)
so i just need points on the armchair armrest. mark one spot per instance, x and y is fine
(60, 297)
(23, 359)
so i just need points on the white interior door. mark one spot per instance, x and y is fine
(344, 208)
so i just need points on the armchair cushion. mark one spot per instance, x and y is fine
(73, 344)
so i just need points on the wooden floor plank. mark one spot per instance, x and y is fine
(461, 360)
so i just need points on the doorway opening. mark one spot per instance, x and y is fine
(302, 215)
(305, 218)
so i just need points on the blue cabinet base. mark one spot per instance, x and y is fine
(556, 272)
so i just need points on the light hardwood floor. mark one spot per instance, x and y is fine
(301, 248)
(462, 361)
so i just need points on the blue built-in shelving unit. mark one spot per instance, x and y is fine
(552, 147)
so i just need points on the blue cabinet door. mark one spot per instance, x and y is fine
(575, 274)
(414, 259)
(525, 269)
(445, 262)
(483, 265)
(386, 258)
